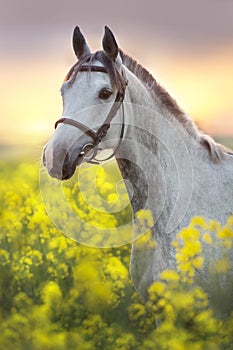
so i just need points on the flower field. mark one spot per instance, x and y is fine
(56, 294)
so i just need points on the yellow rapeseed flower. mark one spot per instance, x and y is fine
(4, 257)
(199, 221)
(207, 238)
(225, 233)
(170, 276)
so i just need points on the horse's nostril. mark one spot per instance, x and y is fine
(43, 158)
(66, 167)
(43, 155)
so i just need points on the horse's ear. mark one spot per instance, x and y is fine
(79, 43)
(109, 44)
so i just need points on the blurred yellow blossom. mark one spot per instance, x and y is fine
(58, 295)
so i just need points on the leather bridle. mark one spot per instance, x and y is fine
(89, 150)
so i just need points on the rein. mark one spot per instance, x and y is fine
(89, 150)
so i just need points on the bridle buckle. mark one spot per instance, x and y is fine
(88, 152)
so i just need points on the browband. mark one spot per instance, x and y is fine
(89, 68)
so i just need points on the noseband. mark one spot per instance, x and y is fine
(89, 150)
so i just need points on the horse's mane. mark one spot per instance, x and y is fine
(216, 151)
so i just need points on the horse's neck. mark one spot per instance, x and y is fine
(164, 162)
(146, 158)
(168, 166)
(150, 175)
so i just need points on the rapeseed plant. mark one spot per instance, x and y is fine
(56, 294)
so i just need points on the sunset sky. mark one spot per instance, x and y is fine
(186, 45)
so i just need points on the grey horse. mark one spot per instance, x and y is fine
(174, 170)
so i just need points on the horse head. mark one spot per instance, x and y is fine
(92, 93)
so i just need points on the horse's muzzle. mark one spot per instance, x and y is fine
(63, 165)
(87, 153)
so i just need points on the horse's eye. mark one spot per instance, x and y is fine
(104, 94)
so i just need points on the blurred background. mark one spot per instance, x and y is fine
(186, 45)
